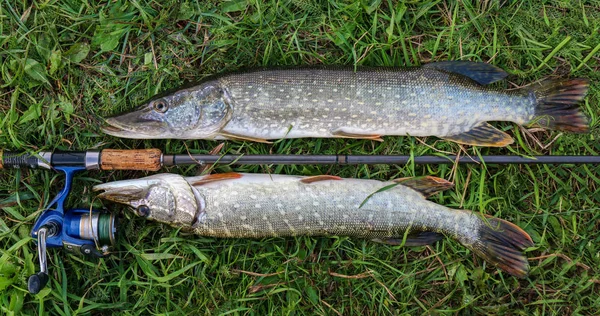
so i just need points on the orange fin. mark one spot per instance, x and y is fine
(341, 134)
(217, 177)
(426, 185)
(242, 138)
(483, 134)
(319, 178)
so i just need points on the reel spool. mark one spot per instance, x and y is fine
(98, 227)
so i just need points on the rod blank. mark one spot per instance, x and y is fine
(174, 160)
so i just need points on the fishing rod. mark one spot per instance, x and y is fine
(154, 159)
(92, 232)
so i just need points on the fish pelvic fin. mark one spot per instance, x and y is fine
(231, 136)
(479, 72)
(483, 134)
(501, 243)
(341, 133)
(557, 105)
(324, 177)
(413, 239)
(426, 185)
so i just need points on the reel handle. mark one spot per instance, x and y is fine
(38, 281)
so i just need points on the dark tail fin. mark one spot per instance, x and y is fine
(501, 243)
(557, 105)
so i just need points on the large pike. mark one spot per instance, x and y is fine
(451, 100)
(261, 205)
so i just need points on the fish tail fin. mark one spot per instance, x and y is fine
(502, 243)
(557, 105)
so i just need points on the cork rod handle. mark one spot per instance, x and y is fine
(136, 159)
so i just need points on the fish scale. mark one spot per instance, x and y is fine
(261, 205)
(451, 100)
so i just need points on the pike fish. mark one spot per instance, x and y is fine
(395, 212)
(451, 100)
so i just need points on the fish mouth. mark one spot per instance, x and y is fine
(115, 127)
(132, 125)
(126, 192)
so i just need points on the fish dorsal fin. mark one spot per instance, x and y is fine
(217, 177)
(483, 134)
(319, 178)
(426, 185)
(481, 73)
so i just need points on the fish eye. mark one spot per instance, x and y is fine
(160, 106)
(143, 210)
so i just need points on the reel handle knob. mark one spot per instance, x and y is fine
(38, 281)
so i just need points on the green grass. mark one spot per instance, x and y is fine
(63, 64)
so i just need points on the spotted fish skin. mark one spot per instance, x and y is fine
(450, 100)
(320, 102)
(260, 205)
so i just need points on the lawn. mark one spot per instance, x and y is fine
(65, 63)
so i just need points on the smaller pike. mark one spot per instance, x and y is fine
(260, 205)
(450, 100)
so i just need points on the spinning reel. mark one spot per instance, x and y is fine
(87, 232)
(83, 231)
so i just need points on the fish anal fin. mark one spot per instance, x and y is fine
(413, 239)
(242, 138)
(217, 177)
(319, 178)
(479, 72)
(344, 134)
(426, 185)
(483, 134)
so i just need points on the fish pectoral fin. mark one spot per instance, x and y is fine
(244, 138)
(413, 239)
(426, 185)
(482, 135)
(217, 177)
(481, 73)
(343, 134)
(319, 178)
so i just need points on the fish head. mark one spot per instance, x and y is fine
(166, 198)
(194, 113)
